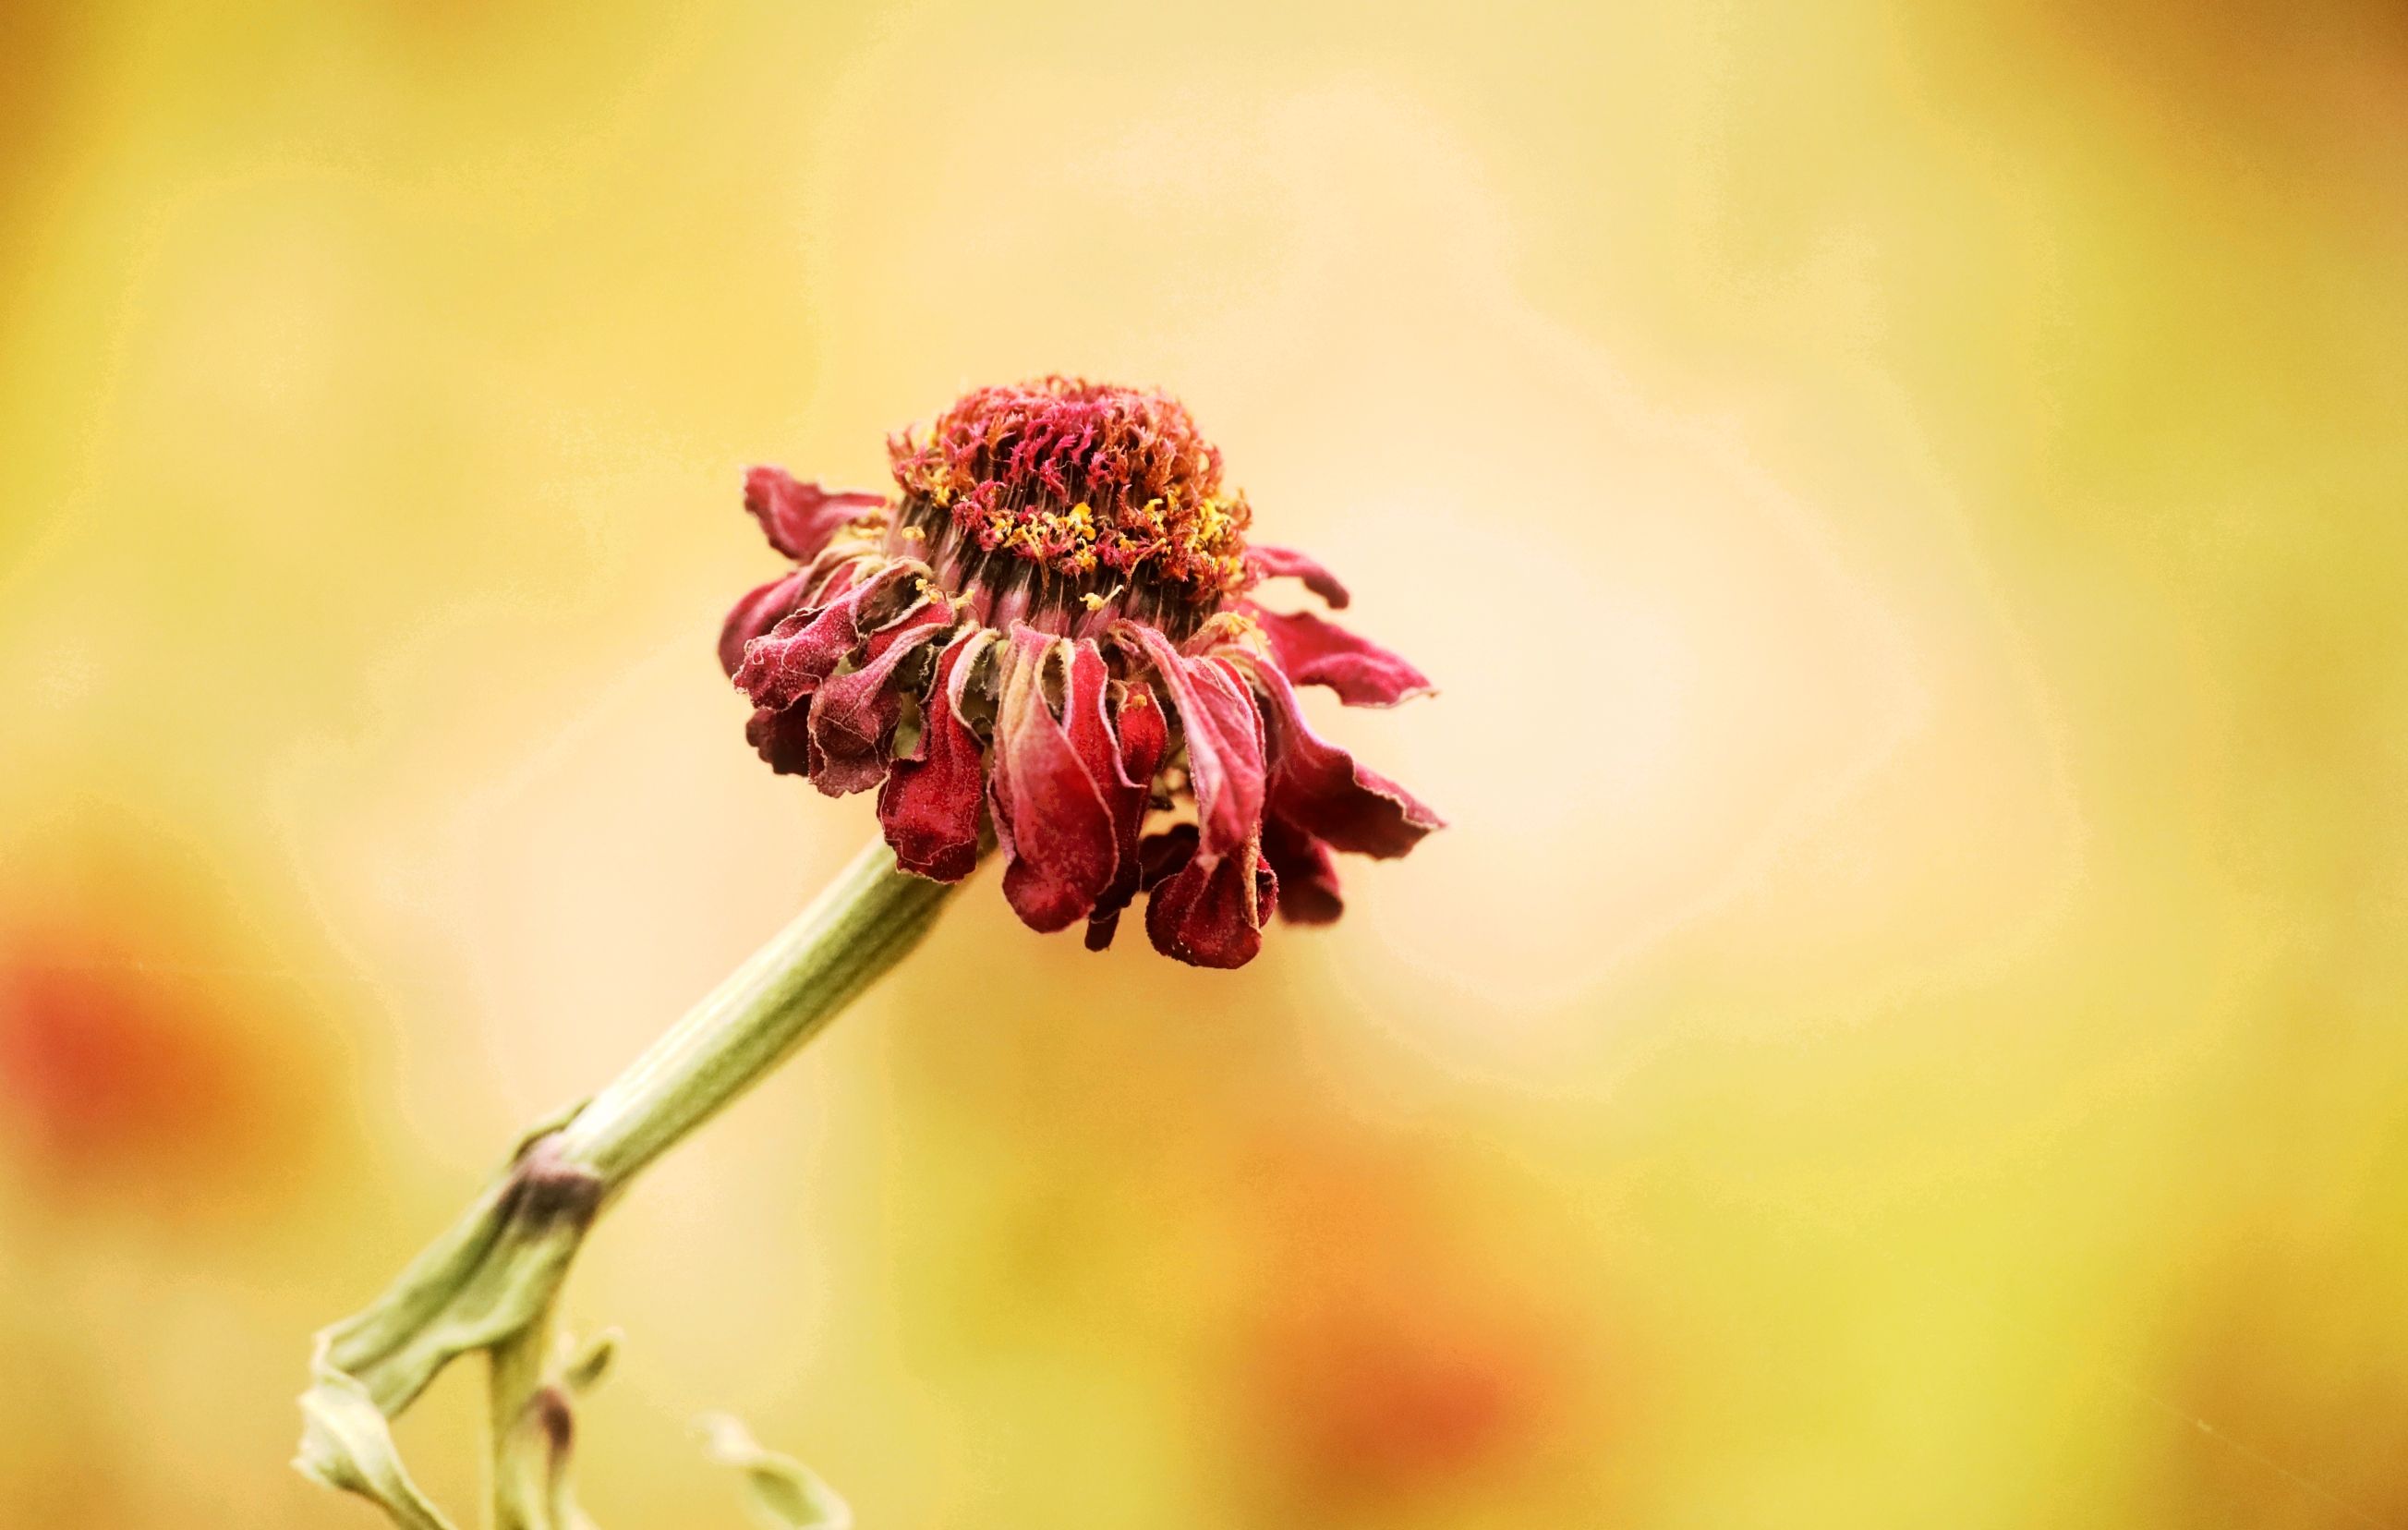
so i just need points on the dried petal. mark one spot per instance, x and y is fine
(1287, 563)
(783, 736)
(758, 612)
(1314, 651)
(1223, 738)
(800, 652)
(1143, 736)
(1211, 913)
(931, 803)
(1049, 813)
(853, 714)
(798, 518)
(1319, 787)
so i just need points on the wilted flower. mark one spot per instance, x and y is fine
(1049, 629)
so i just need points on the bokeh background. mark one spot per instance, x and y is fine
(1909, 506)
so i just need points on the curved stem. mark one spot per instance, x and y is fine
(771, 1004)
(489, 1282)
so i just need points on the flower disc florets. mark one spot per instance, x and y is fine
(1047, 643)
(1061, 500)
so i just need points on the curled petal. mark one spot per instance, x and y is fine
(1318, 787)
(1314, 651)
(853, 714)
(1143, 737)
(930, 805)
(1049, 813)
(783, 736)
(758, 612)
(1308, 875)
(1287, 563)
(1224, 740)
(798, 518)
(1211, 913)
(792, 657)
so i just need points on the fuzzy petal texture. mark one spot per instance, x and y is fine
(1314, 651)
(1224, 737)
(853, 714)
(1051, 815)
(931, 803)
(1318, 787)
(758, 612)
(799, 518)
(783, 736)
(789, 661)
(1211, 913)
(1287, 563)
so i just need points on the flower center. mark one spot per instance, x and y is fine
(1060, 499)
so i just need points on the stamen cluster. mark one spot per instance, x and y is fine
(1095, 485)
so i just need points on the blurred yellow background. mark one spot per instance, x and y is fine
(1908, 505)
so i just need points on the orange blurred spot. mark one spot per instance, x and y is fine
(1382, 1397)
(113, 1069)
(1385, 1362)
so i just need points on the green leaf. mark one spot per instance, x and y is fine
(782, 1492)
(346, 1445)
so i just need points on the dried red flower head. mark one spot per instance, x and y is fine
(1048, 633)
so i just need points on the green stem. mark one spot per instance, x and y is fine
(489, 1282)
(520, 1453)
(771, 1004)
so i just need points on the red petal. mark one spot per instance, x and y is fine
(1210, 914)
(1318, 787)
(1210, 911)
(1143, 736)
(1308, 876)
(1225, 742)
(1287, 563)
(1051, 816)
(930, 805)
(783, 735)
(853, 714)
(790, 660)
(798, 517)
(1317, 652)
(758, 612)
